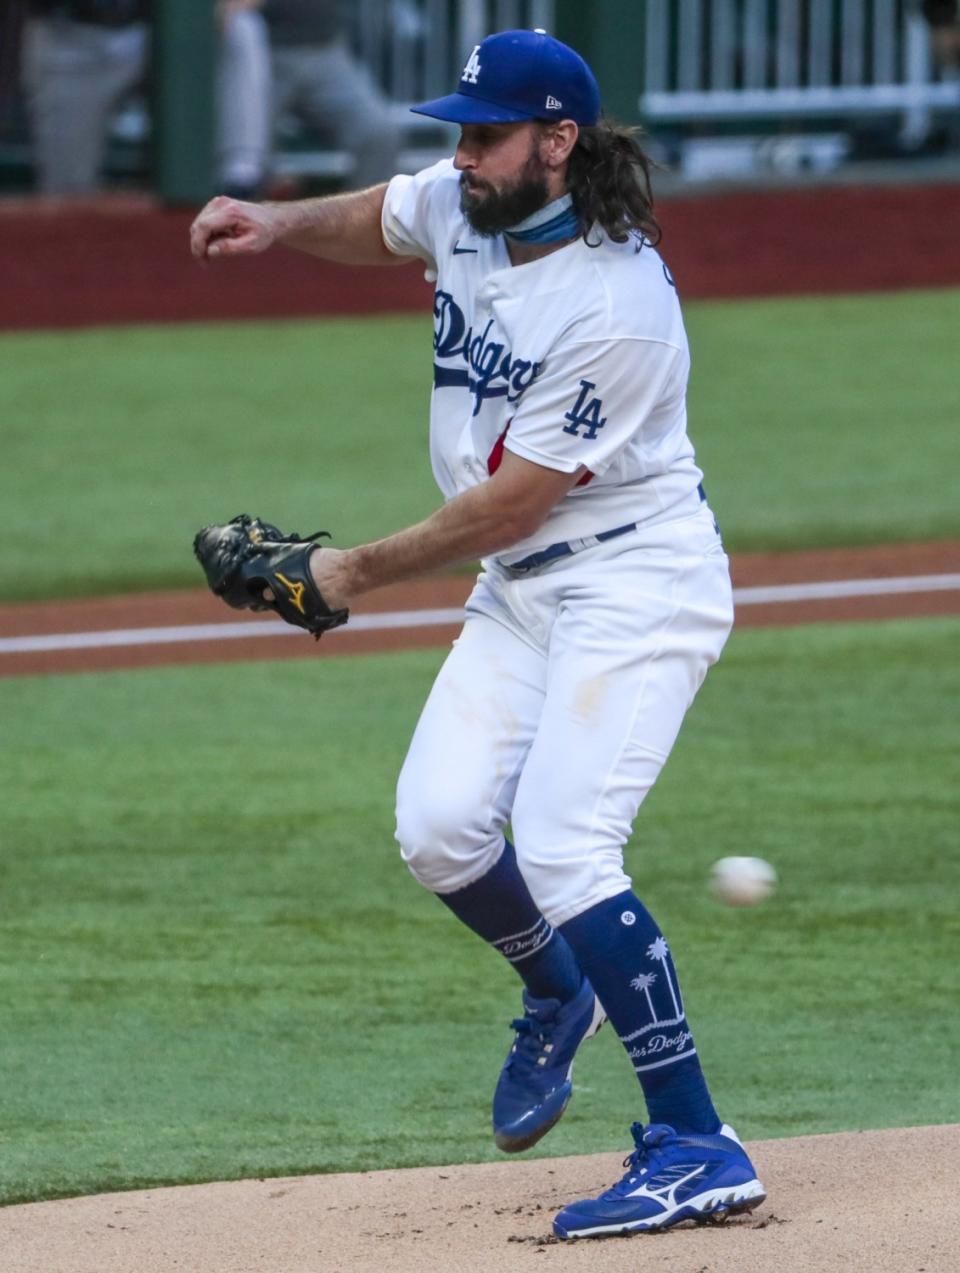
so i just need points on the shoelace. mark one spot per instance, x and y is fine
(643, 1157)
(532, 1038)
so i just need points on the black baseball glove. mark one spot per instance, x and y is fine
(245, 557)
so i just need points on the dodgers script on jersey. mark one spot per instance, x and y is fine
(577, 359)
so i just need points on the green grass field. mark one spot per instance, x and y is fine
(213, 964)
(818, 421)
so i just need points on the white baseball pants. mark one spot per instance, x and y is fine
(556, 710)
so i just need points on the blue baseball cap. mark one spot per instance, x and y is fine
(516, 75)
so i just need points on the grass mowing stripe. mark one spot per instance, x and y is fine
(213, 965)
(827, 420)
(818, 421)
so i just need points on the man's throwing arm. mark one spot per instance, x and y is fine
(344, 228)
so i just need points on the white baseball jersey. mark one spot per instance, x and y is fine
(561, 699)
(578, 358)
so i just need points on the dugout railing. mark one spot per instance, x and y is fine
(681, 67)
(717, 61)
(707, 64)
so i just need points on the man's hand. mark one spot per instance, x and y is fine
(342, 227)
(230, 227)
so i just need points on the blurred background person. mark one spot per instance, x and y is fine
(79, 58)
(944, 19)
(318, 80)
(244, 99)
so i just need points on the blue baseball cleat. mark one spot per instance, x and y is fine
(670, 1177)
(534, 1085)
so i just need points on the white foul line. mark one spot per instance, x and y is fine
(218, 631)
(829, 589)
(396, 619)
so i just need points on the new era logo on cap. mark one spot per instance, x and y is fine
(553, 104)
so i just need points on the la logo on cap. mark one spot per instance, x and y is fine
(472, 69)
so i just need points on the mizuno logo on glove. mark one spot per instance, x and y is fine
(296, 591)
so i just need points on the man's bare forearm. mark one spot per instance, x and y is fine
(343, 228)
(480, 521)
(469, 527)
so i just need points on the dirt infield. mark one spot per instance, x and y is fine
(127, 623)
(861, 1202)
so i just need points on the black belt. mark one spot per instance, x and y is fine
(566, 549)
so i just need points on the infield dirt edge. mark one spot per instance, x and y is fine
(882, 1201)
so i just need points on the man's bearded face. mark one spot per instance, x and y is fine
(490, 209)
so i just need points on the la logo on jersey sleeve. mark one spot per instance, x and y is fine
(471, 72)
(585, 414)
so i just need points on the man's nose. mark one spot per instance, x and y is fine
(464, 157)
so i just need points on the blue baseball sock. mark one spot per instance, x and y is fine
(499, 908)
(620, 948)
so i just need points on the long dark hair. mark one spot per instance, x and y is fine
(608, 175)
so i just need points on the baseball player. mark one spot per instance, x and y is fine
(558, 439)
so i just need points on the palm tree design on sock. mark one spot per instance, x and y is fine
(644, 982)
(659, 950)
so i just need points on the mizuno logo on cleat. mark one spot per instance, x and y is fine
(664, 1186)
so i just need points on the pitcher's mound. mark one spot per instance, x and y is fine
(879, 1201)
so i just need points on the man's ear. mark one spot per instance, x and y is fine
(557, 141)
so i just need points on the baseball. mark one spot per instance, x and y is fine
(742, 881)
